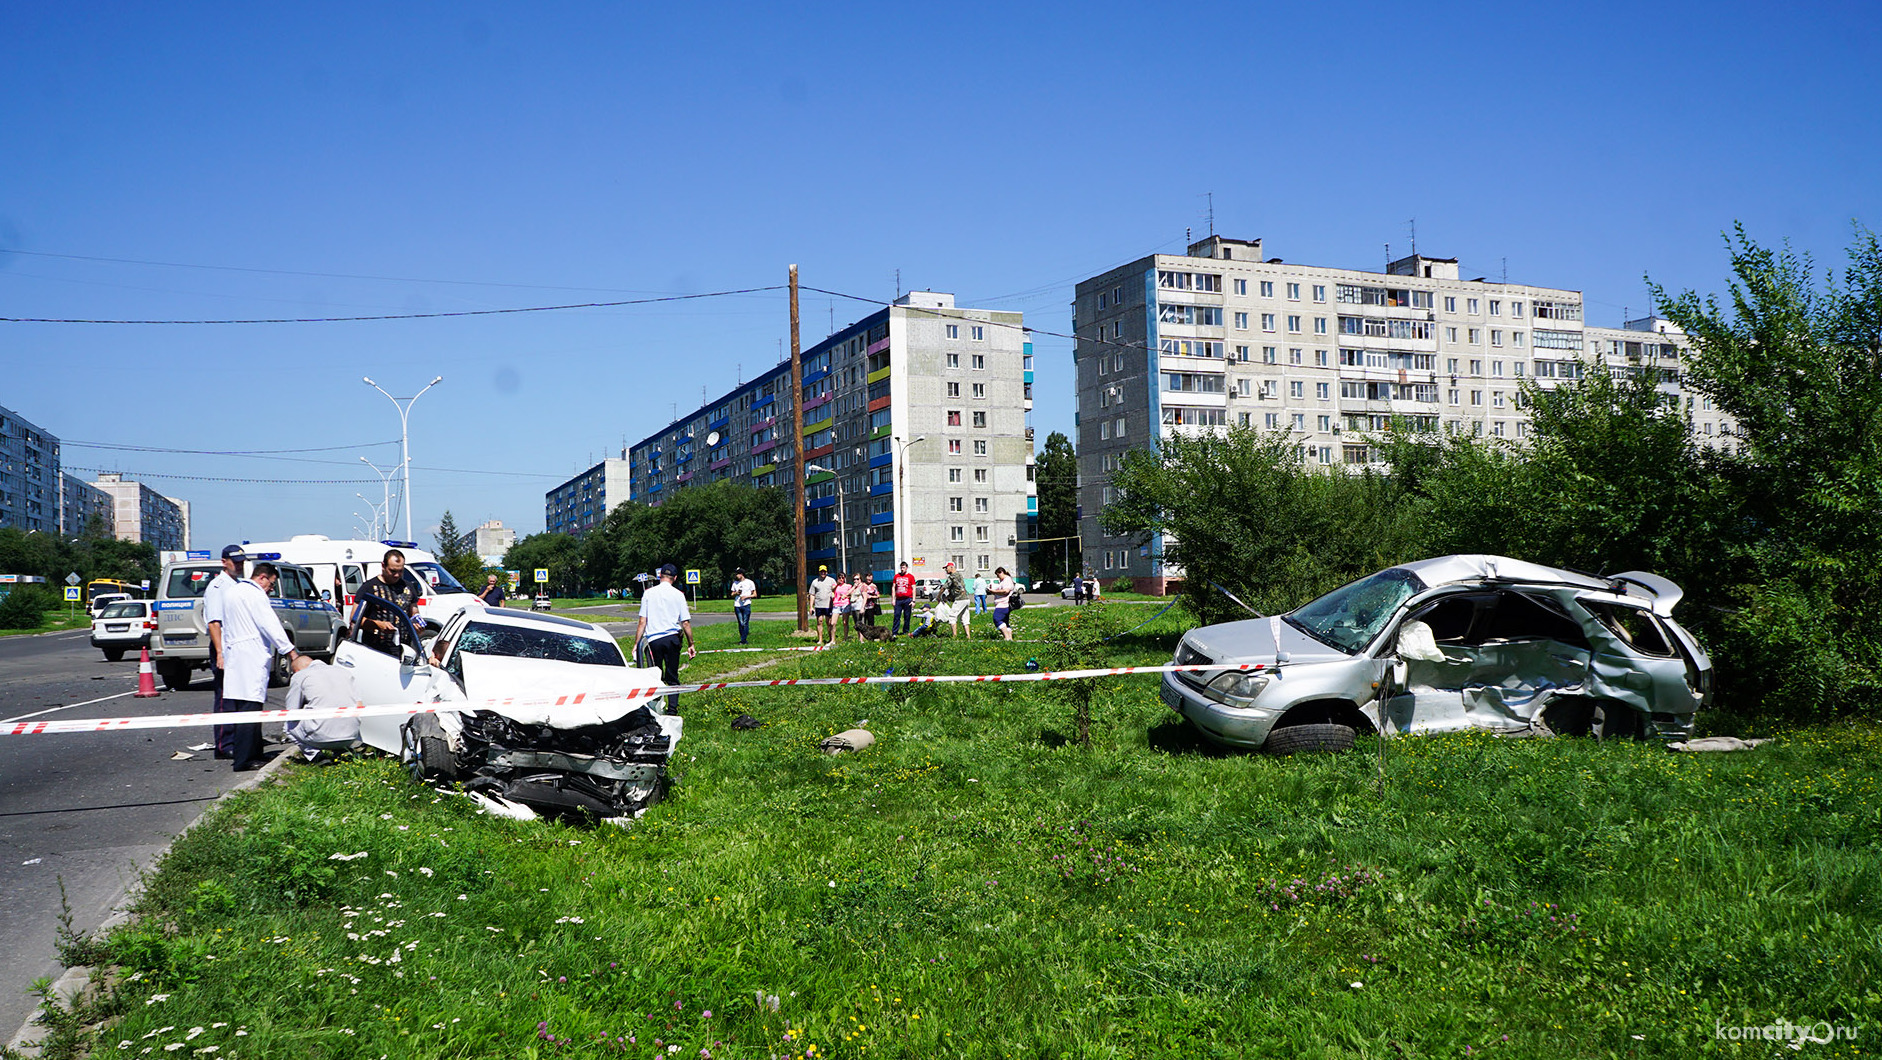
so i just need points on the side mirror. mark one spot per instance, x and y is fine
(408, 656)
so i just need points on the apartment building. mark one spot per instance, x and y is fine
(84, 504)
(580, 504)
(1224, 336)
(917, 445)
(29, 474)
(140, 513)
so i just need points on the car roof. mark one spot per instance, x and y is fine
(510, 616)
(1450, 570)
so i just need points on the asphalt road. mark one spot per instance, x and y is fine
(87, 809)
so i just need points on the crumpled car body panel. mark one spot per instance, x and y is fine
(1484, 642)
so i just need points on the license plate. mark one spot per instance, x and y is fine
(179, 638)
(1171, 698)
(118, 627)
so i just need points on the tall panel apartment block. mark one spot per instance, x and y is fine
(1222, 336)
(917, 415)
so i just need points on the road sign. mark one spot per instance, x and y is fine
(71, 592)
(542, 575)
(692, 577)
(72, 579)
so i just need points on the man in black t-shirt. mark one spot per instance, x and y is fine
(378, 624)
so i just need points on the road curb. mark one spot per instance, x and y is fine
(75, 981)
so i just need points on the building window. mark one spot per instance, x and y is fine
(1271, 420)
(1241, 353)
(1450, 304)
(954, 418)
(1320, 390)
(980, 361)
(1267, 321)
(980, 474)
(1293, 324)
(980, 448)
(957, 533)
(1320, 325)
(980, 505)
(954, 390)
(1496, 367)
(1516, 309)
(980, 534)
(1496, 335)
(1471, 305)
(1453, 397)
(1476, 367)
(979, 333)
(980, 390)
(980, 419)
(1476, 397)
(1450, 334)
(1104, 431)
(1241, 286)
(1325, 424)
(954, 474)
(1267, 288)
(1320, 358)
(1269, 355)
(954, 445)
(954, 360)
(1516, 338)
(1297, 389)
(1293, 292)
(1294, 354)
(1241, 321)
(1476, 336)
(955, 503)
(1319, 292)
(1118, 430)
(954, 331)
(1496, 307)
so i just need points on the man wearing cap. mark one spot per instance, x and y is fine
(213, 602)
(822, 599)
(904, 589)
(744, 591)
(954, 606)
(664, 618)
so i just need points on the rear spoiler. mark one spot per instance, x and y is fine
(1658, 593)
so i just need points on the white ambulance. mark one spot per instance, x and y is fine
(341, 567)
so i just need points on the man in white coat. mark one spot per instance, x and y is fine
(251, 637)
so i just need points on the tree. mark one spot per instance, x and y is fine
(457, 553)
(1056, 477)
(1240, 509)
(559, 553)
(1797, 362)
(713, 529)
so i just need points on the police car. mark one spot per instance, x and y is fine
(180, 643)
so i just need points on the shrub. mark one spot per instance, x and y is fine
(25, 607)
(1122, 585)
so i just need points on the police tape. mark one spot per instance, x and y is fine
(388, 710)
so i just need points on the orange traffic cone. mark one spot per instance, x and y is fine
(146, 677)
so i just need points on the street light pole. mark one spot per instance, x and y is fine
(376, 510)
(842, 538)
(405, 451)
(385, 500)
(902, 516)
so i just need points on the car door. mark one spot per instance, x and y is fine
(1638, 660)
(380, 679)
(1502, 655)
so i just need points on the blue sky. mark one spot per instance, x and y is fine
(343, 161)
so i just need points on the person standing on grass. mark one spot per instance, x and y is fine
(1078, 589)
(840, 608)
(251, 638)
(744, 591)
(980, 594)
(821, 592)
(664, 619)
(1003, 589)
(872, 600)
(903, 586)
(212, 621)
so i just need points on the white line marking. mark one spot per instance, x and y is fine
(68, 706)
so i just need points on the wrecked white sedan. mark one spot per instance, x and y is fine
(566, 736)
(1457, 642)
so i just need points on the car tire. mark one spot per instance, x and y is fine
(425, 749)
(1296, 739)
(1615, 722)
(114, 654)
(278, 672)
(176, 676)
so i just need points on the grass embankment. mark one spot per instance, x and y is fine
(53, 622)
(976, 886)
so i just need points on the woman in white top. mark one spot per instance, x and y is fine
(1002, 591)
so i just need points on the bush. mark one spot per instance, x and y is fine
(25, 607)
(1122, 585)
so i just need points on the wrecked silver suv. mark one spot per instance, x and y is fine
(1456, 642)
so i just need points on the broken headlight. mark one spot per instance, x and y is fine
(1235, 688)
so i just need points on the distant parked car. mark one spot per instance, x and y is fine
(1457, 642)
(104, 600)
(122, 626)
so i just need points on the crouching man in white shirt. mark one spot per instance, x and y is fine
(316, 685)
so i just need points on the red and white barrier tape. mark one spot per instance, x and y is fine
(170, 721)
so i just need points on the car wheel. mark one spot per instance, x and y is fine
(176, 676)
(1295, 739)
(1615, 722)
(425, 750)
(114, 654)
(278, 673)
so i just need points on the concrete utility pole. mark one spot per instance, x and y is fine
(797, 461)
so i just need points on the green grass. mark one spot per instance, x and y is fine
(54, 622)
(975, 885)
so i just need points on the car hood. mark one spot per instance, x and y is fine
(580, 693)
(1254, 641)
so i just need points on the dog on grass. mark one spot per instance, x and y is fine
(875, 633)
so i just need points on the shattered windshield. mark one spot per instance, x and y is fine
(481, 638)
(1349, 617)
